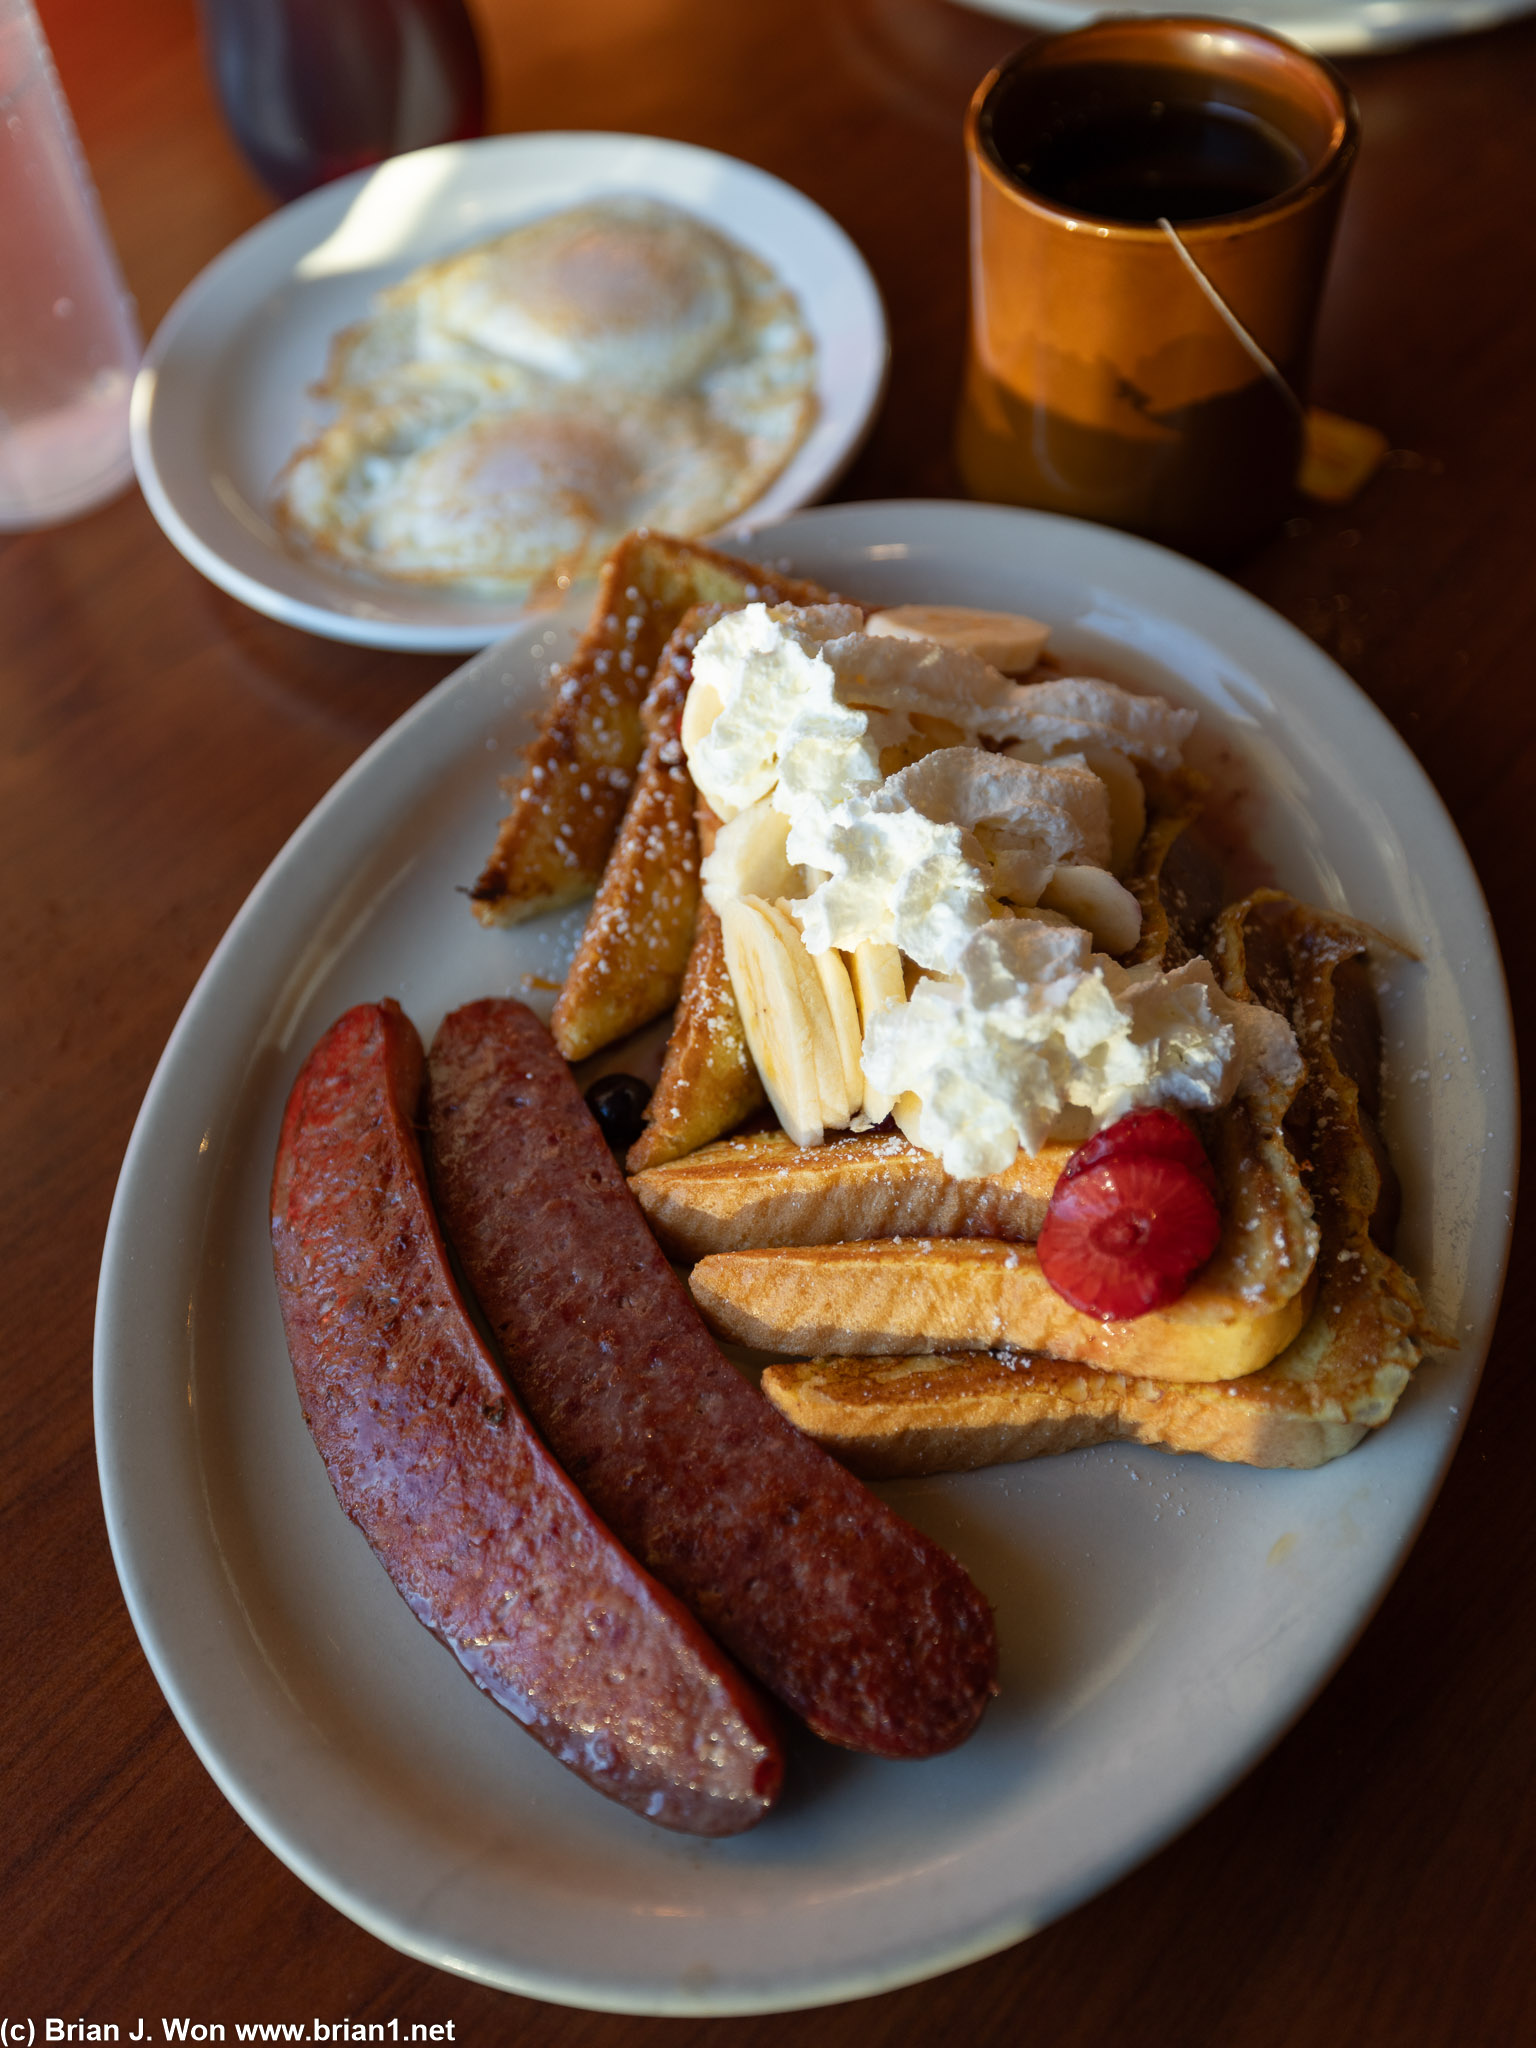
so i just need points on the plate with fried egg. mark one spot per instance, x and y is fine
(417, 405)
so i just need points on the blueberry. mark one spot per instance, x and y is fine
(618, 1102)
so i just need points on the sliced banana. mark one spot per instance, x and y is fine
(1018, 876)
(1007, 640)
(925, 734)
(837, 1109)
(878, 982)
(832, 970)
(701, 707)
(1117, 772)
(749, 860)
(1127, 801)
(768, 991)
(1092, 898)
(908, 1112)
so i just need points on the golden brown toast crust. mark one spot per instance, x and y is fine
(897, 1417)
(708, 1081)
(1369, 1328)
(1174, 802)
(766, 1190)
(634, 948)
(961, 1294)
(578, 771)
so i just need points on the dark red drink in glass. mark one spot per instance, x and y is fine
(315, 88)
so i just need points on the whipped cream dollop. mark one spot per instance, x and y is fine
(1086, 710)
(1036, 1027)
(929, 857)
(800, 701)
(892, 793)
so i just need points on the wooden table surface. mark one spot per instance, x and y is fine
(1372, 1881)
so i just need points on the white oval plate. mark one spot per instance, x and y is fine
(1334, 27)
(1162, 1619)
(223, 400)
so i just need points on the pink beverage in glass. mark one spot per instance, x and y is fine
(69, 342)
(315, 88)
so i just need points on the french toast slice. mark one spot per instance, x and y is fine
(891, 1418)
(1340, 1377)
(888, 1297)
(1174, 803)
(578, 771)
(634, 947)
(763, 1189)
(708, 1082)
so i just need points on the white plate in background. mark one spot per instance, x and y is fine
(1335, 30)
(1162, 1620)
(223, 400)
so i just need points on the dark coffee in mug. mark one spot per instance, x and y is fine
(1138, 142)
(1138, 148)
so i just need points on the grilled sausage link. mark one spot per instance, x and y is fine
(432, 1456)
(868, 1630)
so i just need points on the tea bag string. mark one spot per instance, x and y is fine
(1240, 333)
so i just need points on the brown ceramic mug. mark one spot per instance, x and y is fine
(1103, 377)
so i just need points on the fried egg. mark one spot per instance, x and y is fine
(507, 413)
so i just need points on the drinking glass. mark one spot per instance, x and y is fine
(69, 339)
(313, 89)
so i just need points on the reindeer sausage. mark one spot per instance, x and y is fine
(432, 1456)
(869, 1631)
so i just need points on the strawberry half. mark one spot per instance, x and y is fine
(1157, 1132)
(1128, 1234)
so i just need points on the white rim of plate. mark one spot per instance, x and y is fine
(805, 245)
(1353, 28)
